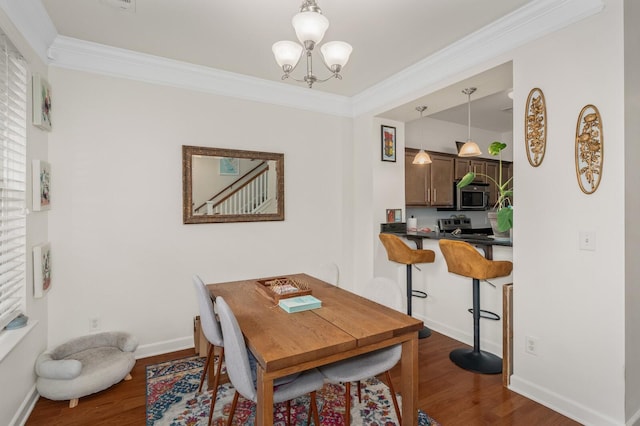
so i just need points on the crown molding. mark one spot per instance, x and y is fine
(81, 55)
(532, 21)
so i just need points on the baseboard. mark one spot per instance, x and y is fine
(164, 347)
(23, 413)
(562, 405)
(461, 336)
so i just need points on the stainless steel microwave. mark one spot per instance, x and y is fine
(474, 196)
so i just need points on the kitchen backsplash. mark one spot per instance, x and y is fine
(428, 218)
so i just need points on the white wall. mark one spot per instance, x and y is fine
(571, 300)
(121, 250)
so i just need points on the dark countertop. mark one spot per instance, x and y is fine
(476, 239)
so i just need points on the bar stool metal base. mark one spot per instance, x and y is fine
(476, 361)
(424, 333)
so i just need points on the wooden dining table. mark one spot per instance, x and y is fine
(346, 325)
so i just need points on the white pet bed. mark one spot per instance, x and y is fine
(85, 365)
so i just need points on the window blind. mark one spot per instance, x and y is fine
(13, 164)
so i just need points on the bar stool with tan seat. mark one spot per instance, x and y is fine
(399, 252)
(463, 259)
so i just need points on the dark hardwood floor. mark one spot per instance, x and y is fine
(447, 393)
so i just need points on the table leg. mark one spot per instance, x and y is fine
(409, 381)
(264, 408)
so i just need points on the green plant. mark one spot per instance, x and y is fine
(503, 206)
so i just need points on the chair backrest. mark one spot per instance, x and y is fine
(327, 272)
(386, 292)
(463, 259)
(235, 352)
(398, 251)
(208, 322)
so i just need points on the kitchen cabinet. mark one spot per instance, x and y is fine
(465, 165)
(429, 184)
(493, 171)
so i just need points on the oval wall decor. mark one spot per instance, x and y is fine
(535, 129)
(589, 149)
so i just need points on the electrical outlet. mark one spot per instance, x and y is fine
(531, 345)
(587, 240)
(94, 324)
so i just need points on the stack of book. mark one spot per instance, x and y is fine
(299, 304)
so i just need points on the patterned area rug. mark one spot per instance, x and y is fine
(172, 401)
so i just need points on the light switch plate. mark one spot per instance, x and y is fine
(588, 240)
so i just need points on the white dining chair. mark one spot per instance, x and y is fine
(213, 333)
(327, 272)
(385, 292)
(242, 379)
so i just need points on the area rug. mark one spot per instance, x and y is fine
(172, 400)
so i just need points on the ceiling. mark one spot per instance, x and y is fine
(236, 35)
(491, 107)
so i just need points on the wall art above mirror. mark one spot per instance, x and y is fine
(228, 185)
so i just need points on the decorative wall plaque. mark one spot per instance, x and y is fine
(535, 131)
(589, 149)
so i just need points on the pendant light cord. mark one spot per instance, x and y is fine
(469, 116)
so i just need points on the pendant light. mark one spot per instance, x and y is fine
(421, 157)
(470, 148)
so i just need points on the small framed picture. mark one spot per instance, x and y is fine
(394, 215)
(41, 269)
(41, 103)
(388, 143)
(41, 177)
(229, 166)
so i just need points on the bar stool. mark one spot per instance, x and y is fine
(398, 251)
(463, 259)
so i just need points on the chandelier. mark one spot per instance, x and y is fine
(310, 25)
(470, 148)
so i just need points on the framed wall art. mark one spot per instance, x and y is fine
(41, 269)
(41, 177)
(388, 143)
(589, 149)
(41, 103)
(535, 122)
(394, 215)
(229, 166)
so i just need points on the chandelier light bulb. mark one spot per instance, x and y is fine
(336, 54)
(287, 53)
(310, 26)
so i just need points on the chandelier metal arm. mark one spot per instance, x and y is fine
(310, 78)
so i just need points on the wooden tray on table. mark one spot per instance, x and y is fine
(282, 288)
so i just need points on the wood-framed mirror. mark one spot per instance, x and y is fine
(229, 185)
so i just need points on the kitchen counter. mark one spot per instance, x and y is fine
(484, 242)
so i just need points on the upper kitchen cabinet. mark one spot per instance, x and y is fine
(466, 165)
(493, 170)
(429, 185)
